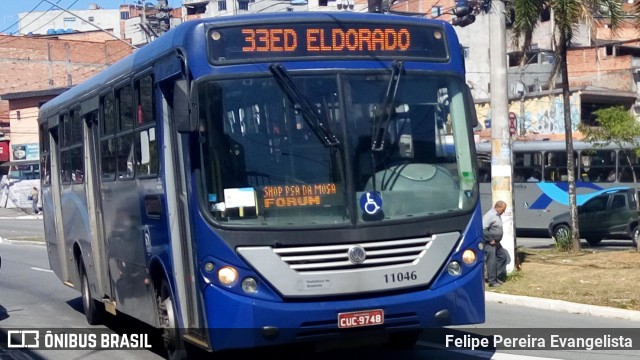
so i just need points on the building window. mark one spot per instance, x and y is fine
(91, 19)
(465, 51)
(69, 22)
(124, 15)
(222, 5)
(436, 11)
(243, 5)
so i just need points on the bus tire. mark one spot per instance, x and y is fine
(174, 346)
(93, 310)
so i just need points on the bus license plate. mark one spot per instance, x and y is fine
(360, 318)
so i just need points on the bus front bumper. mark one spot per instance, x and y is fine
(237, 322)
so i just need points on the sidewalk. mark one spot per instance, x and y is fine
(563, 306)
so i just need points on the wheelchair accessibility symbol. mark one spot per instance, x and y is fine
(371, 202)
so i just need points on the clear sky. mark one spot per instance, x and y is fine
(9, 9)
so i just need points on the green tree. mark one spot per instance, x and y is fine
(615, 125)
(567, 15)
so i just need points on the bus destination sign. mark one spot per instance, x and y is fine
(262, 42)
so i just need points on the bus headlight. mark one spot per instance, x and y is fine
(454, 268)
(250, 285)
(227, 276)
(468, 257)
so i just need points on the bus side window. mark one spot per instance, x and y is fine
(551, 175)
(519, 176)
(232, 162)
(484, 176)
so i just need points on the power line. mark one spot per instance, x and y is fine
(43, 14)
(17, 21)
(90, 23)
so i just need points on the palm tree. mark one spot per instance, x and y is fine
(567, 15)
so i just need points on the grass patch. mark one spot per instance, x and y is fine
(598, 278)
(564, 242)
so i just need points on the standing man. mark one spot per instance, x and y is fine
(35, 195)
(496, 257)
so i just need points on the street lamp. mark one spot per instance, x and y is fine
(286, 4)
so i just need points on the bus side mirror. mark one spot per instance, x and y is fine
(181, 109)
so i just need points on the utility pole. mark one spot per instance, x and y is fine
(501, 152)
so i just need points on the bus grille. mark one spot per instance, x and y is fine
(336, 257)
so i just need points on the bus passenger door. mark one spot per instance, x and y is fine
(176, 164)
(96, 226)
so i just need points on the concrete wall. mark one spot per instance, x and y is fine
(31, 64)
(544, 115)
(38, 63)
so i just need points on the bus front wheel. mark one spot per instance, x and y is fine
(173, 343)
(93, 310)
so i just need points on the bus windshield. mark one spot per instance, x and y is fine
(262, 163)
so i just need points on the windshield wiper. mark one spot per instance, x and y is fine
(382, 117)
(302, 104)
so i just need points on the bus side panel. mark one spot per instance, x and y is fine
(75, 225)
(530, 216)
(126, 254)
(537, 203)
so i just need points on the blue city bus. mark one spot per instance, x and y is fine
(284, 175)
(540, 183)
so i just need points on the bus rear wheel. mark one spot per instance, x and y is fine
(93, 310)
(173, 343)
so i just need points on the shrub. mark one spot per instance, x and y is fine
(564, 242)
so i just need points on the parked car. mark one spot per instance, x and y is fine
(612, 214)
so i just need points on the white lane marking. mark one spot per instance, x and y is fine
(41, 269)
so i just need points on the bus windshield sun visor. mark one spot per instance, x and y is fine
(302, 104)
(383, 115)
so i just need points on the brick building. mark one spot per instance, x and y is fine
(35, 69)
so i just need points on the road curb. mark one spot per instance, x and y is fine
(560, 305)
